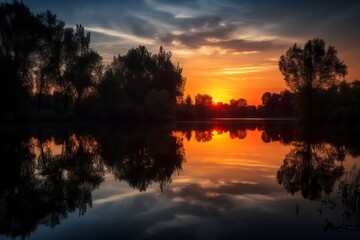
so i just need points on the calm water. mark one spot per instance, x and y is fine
(213, 180)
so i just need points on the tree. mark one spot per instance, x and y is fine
(111, 92)
(266, 98)
(47, 57)
(138, 72)
(271, 104)
(203, 100)
(138, 67)
(85, 71)
(19, 42)
(238, 103)
(156, 102)
(62, 61)
(311, 68)
(188, 100)
(168, 76)
(76, 68)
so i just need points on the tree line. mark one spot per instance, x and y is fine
(318, 91)
(50, 72)
(272, 105)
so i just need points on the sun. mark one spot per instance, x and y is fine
(216, 101)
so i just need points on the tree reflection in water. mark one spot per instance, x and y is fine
(43, 188)
(142, 156)
(47, 174)
(205, 133)
(315, 168)
(311, 169)
(39, 186)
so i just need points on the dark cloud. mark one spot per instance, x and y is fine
(138, 26)
(237, 25)
(293, 17)
(195, 30)
(213, 39)
(306, 19)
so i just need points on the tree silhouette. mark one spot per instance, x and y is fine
(111, 90)
(168, 76)
(204, 100)
(238, 103)
(86, 69)
(275, 104)
(19, 42)
(48, 55)
(141, 80)
(311, 68)
(188, 100)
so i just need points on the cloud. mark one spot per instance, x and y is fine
(243, 70)
(177, 10)
(212, 27)
(219, 36)
(114, 33)
(116, 197)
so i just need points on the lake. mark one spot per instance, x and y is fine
(200, 180)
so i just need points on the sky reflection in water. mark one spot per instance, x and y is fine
(228, 181)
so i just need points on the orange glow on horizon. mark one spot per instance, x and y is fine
(228, 76)
(225, 74)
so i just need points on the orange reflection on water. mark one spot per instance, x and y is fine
(216, 157)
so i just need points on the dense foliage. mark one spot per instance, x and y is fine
(311, 69)
(49, 71)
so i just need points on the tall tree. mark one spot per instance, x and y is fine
(168, 76)
(85, 72)
(19, 42)
(76, 68)
(188, 100)
(311, 68)
(139, 68)
(138, 72)
(48, 55)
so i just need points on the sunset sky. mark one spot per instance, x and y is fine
(228, 49)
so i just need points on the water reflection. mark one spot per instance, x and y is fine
(143, 156)
(39, 187)
(231, 175)
(46, 175)
(311, 169)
